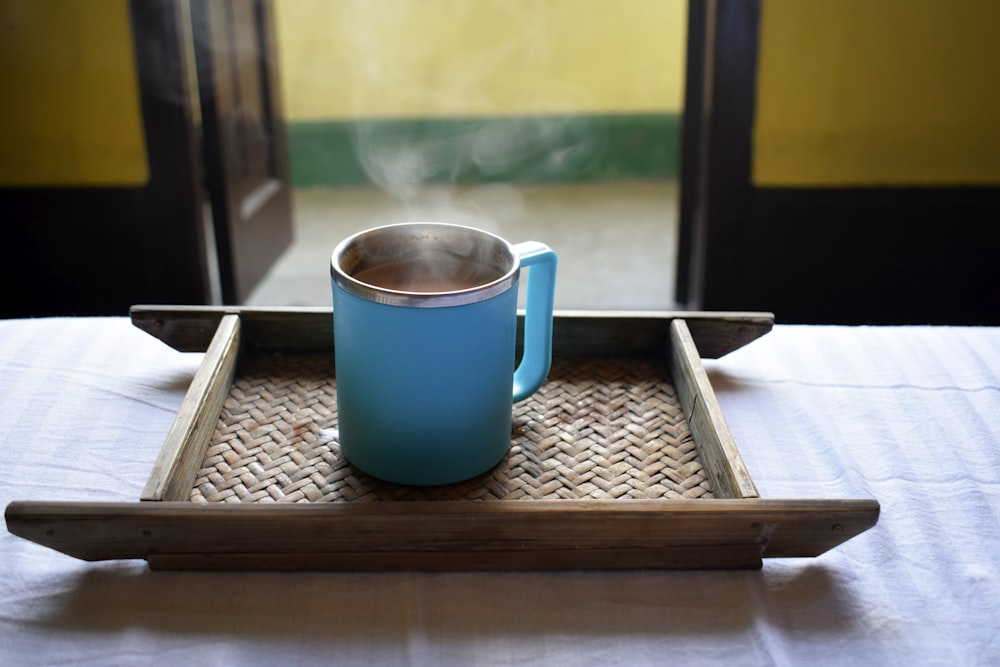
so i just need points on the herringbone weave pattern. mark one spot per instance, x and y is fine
(602, 429)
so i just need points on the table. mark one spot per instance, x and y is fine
(909, 416)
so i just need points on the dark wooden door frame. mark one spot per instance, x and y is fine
(716, 154)
(251, 212)
(852, 255)
(174, 149)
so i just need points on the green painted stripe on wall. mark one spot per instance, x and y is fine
(529, 149)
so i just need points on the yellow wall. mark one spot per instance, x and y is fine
(70, 101)
(870, 92)
(437, 58)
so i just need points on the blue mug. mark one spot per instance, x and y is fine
(425, 322)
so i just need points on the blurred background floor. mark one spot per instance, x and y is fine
(617, 243)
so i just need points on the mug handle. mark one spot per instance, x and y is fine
(539, 304)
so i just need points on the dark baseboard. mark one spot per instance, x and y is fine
(879, 255)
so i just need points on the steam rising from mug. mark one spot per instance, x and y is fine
(480, 141)
(399, 156)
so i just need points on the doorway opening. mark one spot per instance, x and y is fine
(560, 126)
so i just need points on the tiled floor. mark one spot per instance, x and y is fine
(616, 242)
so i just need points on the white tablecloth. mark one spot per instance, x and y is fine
(909, 416)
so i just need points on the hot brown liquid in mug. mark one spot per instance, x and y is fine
(440, 275)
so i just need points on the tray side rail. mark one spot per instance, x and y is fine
(184, 448)
(720, 458)
(445, 535)
(580, 333)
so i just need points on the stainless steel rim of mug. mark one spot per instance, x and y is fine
(351, 253)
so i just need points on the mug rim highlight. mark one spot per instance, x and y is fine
(349, 251)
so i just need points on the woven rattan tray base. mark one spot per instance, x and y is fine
(598, 428)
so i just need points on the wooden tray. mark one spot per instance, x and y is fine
(176, 526)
